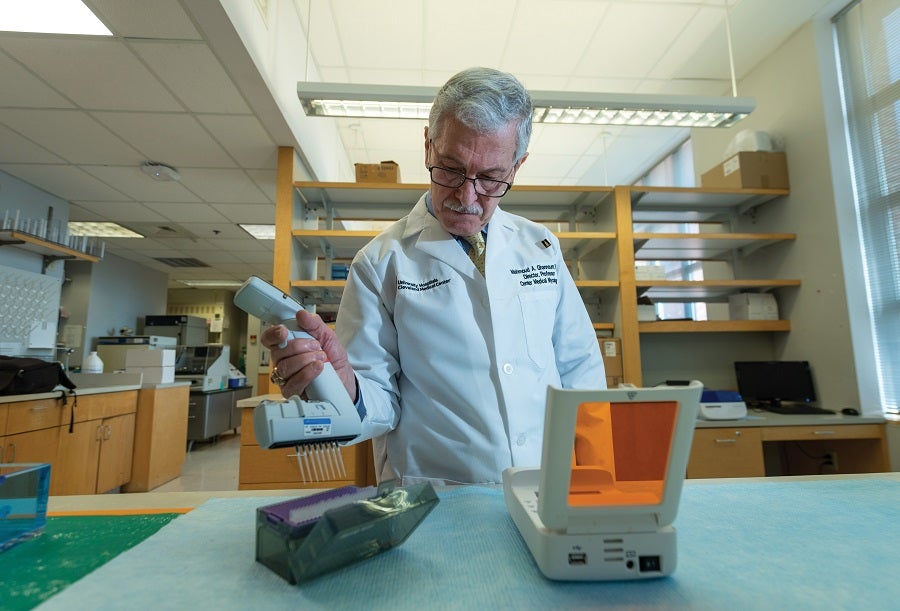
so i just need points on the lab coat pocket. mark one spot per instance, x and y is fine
(538, 314)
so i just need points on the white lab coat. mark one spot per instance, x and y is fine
(454, 370)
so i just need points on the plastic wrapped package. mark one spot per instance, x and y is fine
(309, 536)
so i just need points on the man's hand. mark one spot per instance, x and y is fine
(301, 360)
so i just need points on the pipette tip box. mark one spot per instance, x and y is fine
(306, 537)
(24, 489)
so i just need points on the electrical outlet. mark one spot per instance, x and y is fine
(830, 459)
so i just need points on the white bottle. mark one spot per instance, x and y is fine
(92, 364)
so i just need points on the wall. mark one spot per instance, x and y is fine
(276, 41)
(208, 302)
(788, 93)
(104, 298)
(31, 203)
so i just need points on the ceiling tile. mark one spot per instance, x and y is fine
(137, 185)
(244, 138)
(193, 74)
(635, 55)
(223, 186)
(247, 213)
(114, 211)
(126, 84)
(72, 134)
(373, 34)
(29, 90)
(531, 50)
(14, 148)
(183, 214)
(450, 34)
(66, 182)
(177, 140)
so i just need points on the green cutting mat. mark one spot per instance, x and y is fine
(69, 548)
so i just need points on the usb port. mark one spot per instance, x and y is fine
(577, 558)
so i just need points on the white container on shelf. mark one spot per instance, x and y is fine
(92, 364)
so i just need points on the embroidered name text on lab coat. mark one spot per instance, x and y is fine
(535, 274)
(403, 285)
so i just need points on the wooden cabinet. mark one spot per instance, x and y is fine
(278, 468)
(95, 457)
(160, 435)
(735, 452)
(88, 444)
(33, 432)
(788, 450)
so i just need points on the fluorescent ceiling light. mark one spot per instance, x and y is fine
(559, 107)
(101, 230)
(50, 17)
(260, 232)
(212, 283)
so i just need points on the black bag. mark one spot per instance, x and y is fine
(24, 376)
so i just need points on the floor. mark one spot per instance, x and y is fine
(210, 465)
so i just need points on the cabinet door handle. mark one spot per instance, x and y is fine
(107, 432)
(823, 432)
(12, 453)
(726, 441)
(99, 435)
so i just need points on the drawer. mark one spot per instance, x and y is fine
(26, 416)
(726, 453)
(104, 405)
(823, 432)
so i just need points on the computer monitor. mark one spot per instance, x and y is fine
(769, 383)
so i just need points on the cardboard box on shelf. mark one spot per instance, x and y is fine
(752, 306)
(611, 350)
(646, 313)
(749, 170)
(385, 172)
(649, 272)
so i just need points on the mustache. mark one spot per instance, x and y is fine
(457, 207)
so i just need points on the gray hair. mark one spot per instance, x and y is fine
(484, 100)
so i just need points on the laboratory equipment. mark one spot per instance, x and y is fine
(316, 428)
(602, 503)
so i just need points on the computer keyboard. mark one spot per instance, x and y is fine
(796, 409)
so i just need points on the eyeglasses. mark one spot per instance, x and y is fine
(454, 180)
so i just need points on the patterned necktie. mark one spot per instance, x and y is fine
(476, 252)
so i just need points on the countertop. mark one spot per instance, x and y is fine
(823, 543)
(95, 384)
(754, 418)
(760, 418)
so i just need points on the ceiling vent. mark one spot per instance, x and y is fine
(162, 231)
(181, 261)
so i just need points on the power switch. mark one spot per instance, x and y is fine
(649, 564)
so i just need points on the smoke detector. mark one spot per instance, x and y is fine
(160, 171)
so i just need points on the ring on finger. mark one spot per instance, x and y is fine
(277, 379)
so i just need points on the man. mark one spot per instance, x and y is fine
(449, 365)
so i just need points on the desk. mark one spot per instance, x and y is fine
(772, 543)
(775, 444)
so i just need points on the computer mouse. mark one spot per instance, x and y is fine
(850, 411)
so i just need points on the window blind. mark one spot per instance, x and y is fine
(868, 45)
